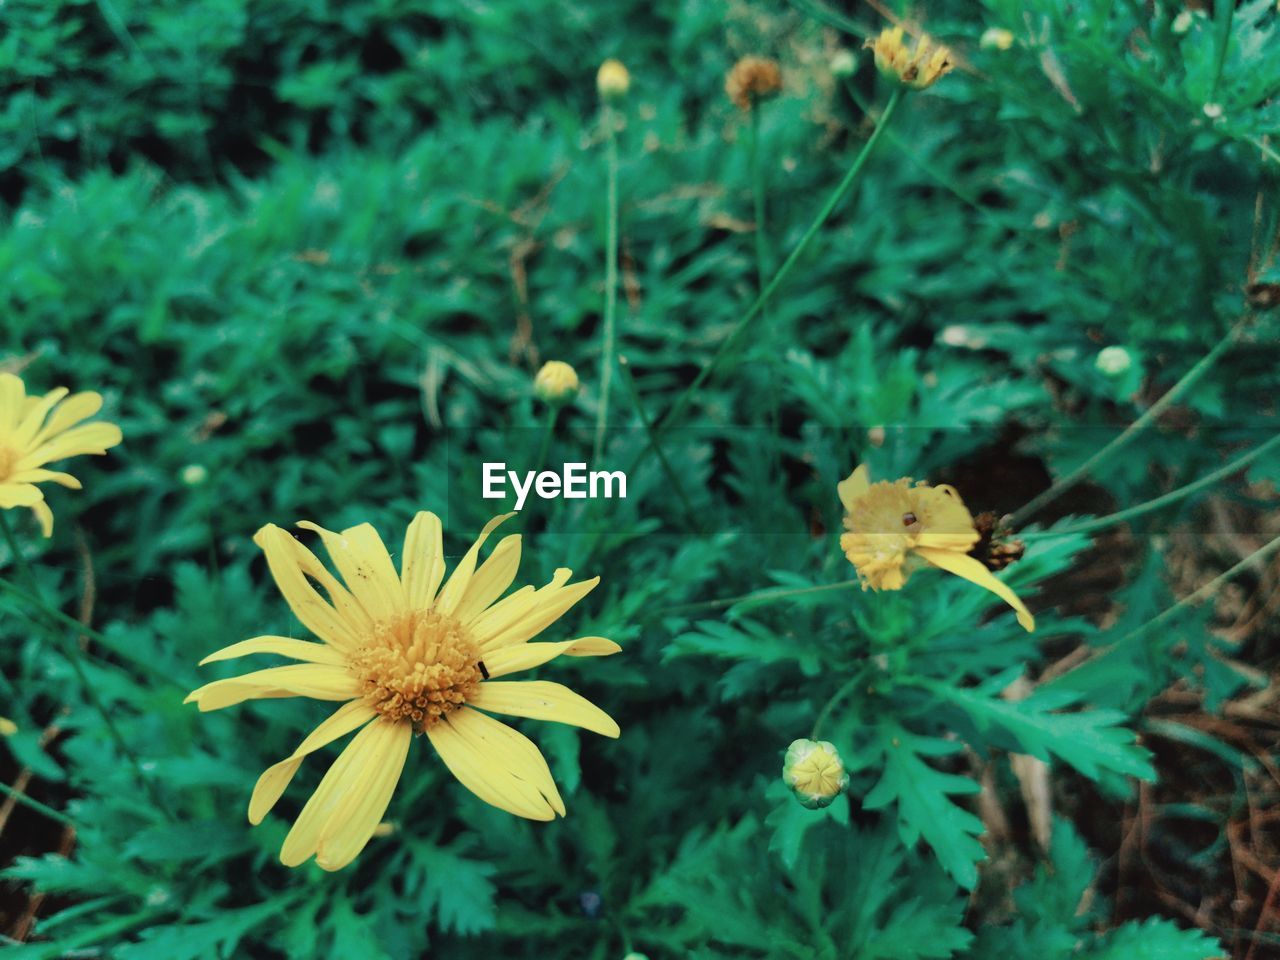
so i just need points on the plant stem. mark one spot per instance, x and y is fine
(731, 341)
(1208, 589)
(762, 269)
(37, 806)
(553, 412)
(1173, 496)
(830, 705)
(1175, 392)
(672, 477)
(609, 333)
(74, 656)
(767, 596)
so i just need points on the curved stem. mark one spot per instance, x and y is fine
(731, 341)
(609, 334)
(846, 689)
(1188, 380)
(763, 597)
(1173, 496)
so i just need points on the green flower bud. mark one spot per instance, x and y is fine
(814, 772)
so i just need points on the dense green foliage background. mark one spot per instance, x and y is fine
(319, 249)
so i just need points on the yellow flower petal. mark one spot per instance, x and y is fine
(77, 407)
(512, 749)
(525, 656)
(13, 393)
(422, 566)
(90, 438)
(42, 476)
(44, 516)
(319, 681)
(284, 646)
(36, 409)
(454, 589)
(354, 772)
(362, 559)
(543, 700)
(549, 605)
(293, 567)
(854, 486)
(359, 809)
(271, 785)
(18, 495)
(963, 565)
(484, 776)
(491, 580)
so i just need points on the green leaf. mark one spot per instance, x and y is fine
(924, 805)
(1156, 939)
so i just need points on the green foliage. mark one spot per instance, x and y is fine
(318, 250)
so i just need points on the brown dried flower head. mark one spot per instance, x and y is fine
(752, 79)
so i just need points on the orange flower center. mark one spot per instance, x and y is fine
(418, 667)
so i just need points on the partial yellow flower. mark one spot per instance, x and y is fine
(920, 65)
(406, 655)
(556, 382)
(814, 772)
(37, 430)
(893, 527)
(612, 80)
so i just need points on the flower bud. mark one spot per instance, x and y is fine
(193, 474)
(918, 66)
(612, 80)
(996, 38)
(7, 727)
(1113, 361)
(843, 62)
(814, 772)
(556, 382)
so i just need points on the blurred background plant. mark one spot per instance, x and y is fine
(313, 254)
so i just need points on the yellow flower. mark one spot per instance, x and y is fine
(407, 655)
(613, 80)
(35, 431)
(893, 525)
(556, 382)
(920, 66)
(814, 772)
(996, 38)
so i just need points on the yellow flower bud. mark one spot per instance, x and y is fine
(814, 772)
(7, 727)
(996, 38)
(1113, 361)
(556, 382)
(612, 80)
(918, 66)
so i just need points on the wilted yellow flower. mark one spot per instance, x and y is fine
(35, 431)
(814, 772)
(613, 80)
(409, 656)
(996, 38)
(753, 79)
(556, 382)
(893, 527)
(920, 66)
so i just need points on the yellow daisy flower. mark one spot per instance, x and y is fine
(917, 65)
(409, 656)
(893, 525)
(35, 431)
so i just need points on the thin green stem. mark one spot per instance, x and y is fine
(731, 341)
(548, 430)
(1173, 496)
(762, 268)
(1174, 393)
(36, 805)
(609, 333)
(848, 687)
(72, 653)
(672, 477)
(1208, 590)
(767, 596)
